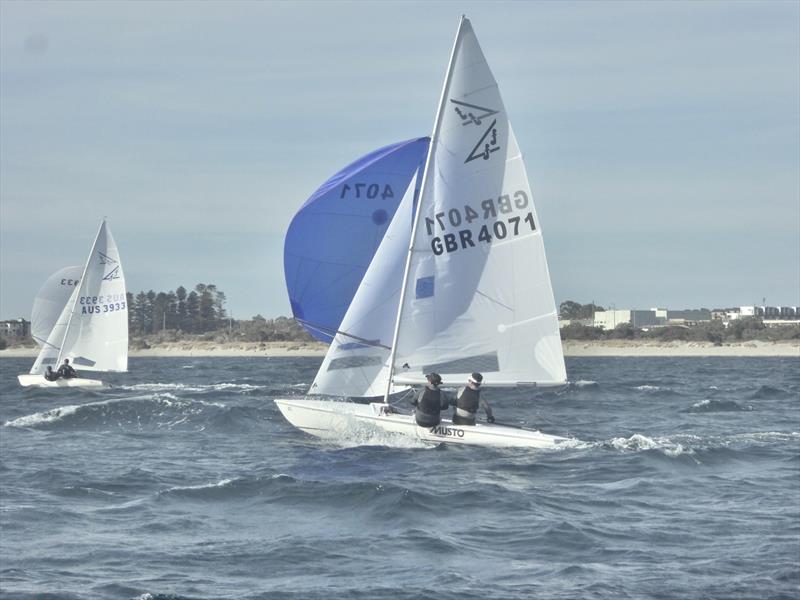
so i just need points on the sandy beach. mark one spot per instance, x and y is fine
(571, 348)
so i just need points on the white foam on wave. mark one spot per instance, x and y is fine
(360, 435)
(41, 418)
(203, 486)
(183, 387)
(767, 436)
(585, 383)
(638, 442)
(649, 388)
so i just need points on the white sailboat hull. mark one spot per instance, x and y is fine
(28, 380)
(327, 419)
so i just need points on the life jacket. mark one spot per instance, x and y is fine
(428, 407)
(468, 400)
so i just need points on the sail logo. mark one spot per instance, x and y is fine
(468, 117)
(472, 114)
(105, 259)
(486, 145)
(112, 274)
(447, 431)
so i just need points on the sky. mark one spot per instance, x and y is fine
(662, 139)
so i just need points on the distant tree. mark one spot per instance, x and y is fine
(133, 325)
(160, 311)
(183, 321)
(150, 324)
(219, 306)
(206, 314)
(623, 331)
(574, 310)
(192, 312)
(745, 328)
(141, 309)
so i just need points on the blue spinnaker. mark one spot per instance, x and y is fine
(333, 237)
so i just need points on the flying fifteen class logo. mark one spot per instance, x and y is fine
(112, 274)
(105, 259)
(472, 114)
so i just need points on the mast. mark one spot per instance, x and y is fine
(77, 293)
(431, 150)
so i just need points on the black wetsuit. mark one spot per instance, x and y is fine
(50, 375)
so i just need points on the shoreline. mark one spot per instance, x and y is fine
(581, 348)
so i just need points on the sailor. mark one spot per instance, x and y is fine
(468, 400)
(50, 375)
(430, 402)
(66, 371)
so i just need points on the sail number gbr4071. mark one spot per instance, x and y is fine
(494, 224)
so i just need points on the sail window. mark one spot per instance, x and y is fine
(355, 362)
(484, 363)
(424, 287)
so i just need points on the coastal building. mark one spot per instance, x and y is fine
(772, 313)
(609, 319)
(19, 328)
(688, 316)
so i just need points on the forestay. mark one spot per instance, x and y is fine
(335, 234)
(92, 329)
(478, 293)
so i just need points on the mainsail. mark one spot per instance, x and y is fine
(477, 293)
(335, 234)
(92, 329)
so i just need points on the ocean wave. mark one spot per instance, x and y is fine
(710, 405)
(767, 392)
(138, 412)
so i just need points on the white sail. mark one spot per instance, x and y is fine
(92, 330)
(51, 300)
(478, 293)
(357, 361)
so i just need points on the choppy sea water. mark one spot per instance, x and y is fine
(184, 481)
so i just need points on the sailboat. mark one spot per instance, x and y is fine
(456, 279)
(81, 313)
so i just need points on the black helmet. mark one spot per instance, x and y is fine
(434, 378)
(476, 378)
